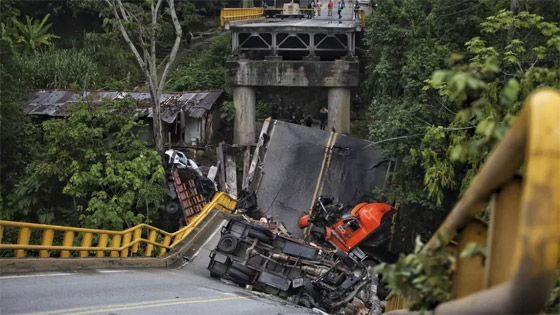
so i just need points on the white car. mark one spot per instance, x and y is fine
(364, 2)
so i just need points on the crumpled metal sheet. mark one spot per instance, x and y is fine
(54, 102)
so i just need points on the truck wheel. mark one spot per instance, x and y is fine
(238, 276)
(246, 270)
(171, 208)
(262, 229)
(260, 236)
(228, 243)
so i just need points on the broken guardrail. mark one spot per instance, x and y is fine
(118, 243)
(524, 230)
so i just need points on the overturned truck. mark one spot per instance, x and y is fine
(250, 254)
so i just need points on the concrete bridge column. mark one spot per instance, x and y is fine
(339, 109)
(244, 121)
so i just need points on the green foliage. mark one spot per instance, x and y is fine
(203, 71)
(30, 35)
(489, 90)
(552, 305)
(18, 135)
(263, 109)
(227, 112)
(424, 277)
(93, 171)
(60, 69)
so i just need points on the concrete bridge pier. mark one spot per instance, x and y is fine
(339, 109)
(244, 119)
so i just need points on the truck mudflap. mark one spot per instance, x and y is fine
(277, 264)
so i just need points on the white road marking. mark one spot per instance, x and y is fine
(37, 275)
(113, 271)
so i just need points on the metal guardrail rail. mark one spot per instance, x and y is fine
(119, 243)
(239, 14)
(523, 244)
(243, 14)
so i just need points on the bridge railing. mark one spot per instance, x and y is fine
(523, 242)
(140, 240)
(239, 14)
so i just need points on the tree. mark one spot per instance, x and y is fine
(31, 34)
(140, 29)
(406, 41)
(91, 170)
(513, 56)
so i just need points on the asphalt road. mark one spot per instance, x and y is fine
(187, 290)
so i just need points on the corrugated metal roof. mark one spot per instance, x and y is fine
(54, 102)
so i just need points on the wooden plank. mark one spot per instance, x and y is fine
(246, 165)
(221, 167)
(231, 174)
(262, 138)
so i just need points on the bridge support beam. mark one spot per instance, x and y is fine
(244, 121)
(339, 109)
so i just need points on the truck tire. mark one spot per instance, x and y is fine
(246, 270)
(238, 276)
(171, 208)
(262, 229)
(228, 243)
(260, 236)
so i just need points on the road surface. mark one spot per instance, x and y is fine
(186, 290)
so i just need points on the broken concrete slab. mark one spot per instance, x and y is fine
(302, 163)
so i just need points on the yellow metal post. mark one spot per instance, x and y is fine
(126, 241)
(116, 244)
(166, 242)
(150, 247)
(47, 240)
(67, 241)
(469, 275)
(1, 233)
(103, 240)
(137, 236)
(86, 242)
(23, 239)
(504, 222)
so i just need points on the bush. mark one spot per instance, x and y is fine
(60, 69)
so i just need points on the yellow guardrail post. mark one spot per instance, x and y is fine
(115, 243)
(103, 240)
(504, 222)
(166, 242)
(534, 143)
(121, 243)
(23, 239)
(47, 239)
(126, 241)
(137, 236)
(152, 238)
(68, 241)
(86, 242)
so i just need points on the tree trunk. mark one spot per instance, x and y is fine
(156, 118)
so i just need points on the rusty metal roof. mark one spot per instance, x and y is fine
(54, 102)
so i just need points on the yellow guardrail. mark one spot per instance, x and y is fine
(239, 14)
(523, 245)
(118, 243)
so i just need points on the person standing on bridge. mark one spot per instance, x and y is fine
(319, 7)
(340, 7)
(323, 116)
(330, 6)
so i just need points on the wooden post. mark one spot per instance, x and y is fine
(246, 166)
(221, 167)
(231, 173)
